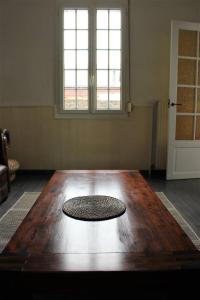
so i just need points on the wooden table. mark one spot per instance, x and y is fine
(144, 246)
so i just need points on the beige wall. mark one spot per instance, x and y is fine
(27, 89)
(40, 141)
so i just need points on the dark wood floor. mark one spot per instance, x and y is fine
(184, 194)
(25, 182)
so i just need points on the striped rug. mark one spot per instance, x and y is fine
(180, 220)
(10, 221)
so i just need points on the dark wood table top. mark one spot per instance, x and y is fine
(146, 237)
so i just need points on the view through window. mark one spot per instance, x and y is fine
(92, 60)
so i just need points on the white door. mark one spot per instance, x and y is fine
(184, 102)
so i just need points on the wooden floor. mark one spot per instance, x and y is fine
(184, 194)
(25, 182)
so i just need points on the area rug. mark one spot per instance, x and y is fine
(180, 220)
(10, 221)
(94, 208)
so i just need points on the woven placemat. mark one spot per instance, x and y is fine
(94, 208)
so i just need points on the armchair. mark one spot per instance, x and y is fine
(4, 170)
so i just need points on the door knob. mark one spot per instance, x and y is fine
(173, 103)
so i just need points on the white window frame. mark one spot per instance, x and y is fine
(92, 6)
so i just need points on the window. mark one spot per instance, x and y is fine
(93, 60)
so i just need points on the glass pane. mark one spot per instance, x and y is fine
(69, 19)
(102, 59)
(69, 59)
(82, 19)
(82, 78)
(102, 19)
(102, 99)
(114, 98)
(187, 43)
(184, 128)
(114, 78)
(199, 45)
(82, 59)
(197, 134)
(114, 59)
(115, 19)
(186, 71)
(82, 99)
(82, 39)
(102, 78)
(69, 39)
(115, 39)
(69, 79)
(69, 99)
(185, 97)
(199, 73)
(102, 39)
(198, 100)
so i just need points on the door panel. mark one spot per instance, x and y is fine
(184, 163)
(184, 103)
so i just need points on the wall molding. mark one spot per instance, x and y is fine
(26, 106)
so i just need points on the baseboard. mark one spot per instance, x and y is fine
(154, 173)
(35, 172)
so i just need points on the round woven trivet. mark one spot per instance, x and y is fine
(94, 208)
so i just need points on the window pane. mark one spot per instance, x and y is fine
(69, 39)
(114, 78)
(197, 134)
(187, 44)
(82, 59)
(115, 19)
(114, 59)
(102, 78)
(82, 19)
(102, 98)
(82, 78)
(186, 97)
(184, 127)
(114, 98)
(102, 59)
(69, 98)
(69, 19)
(82, 39)
(102, 19)
(198, 100)
(186, 71)
(69, 59)
(115, 39)
(102, 39)
(82, 99)
(69, 79)
(199, 71)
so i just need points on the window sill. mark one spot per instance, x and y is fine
(92, 116)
